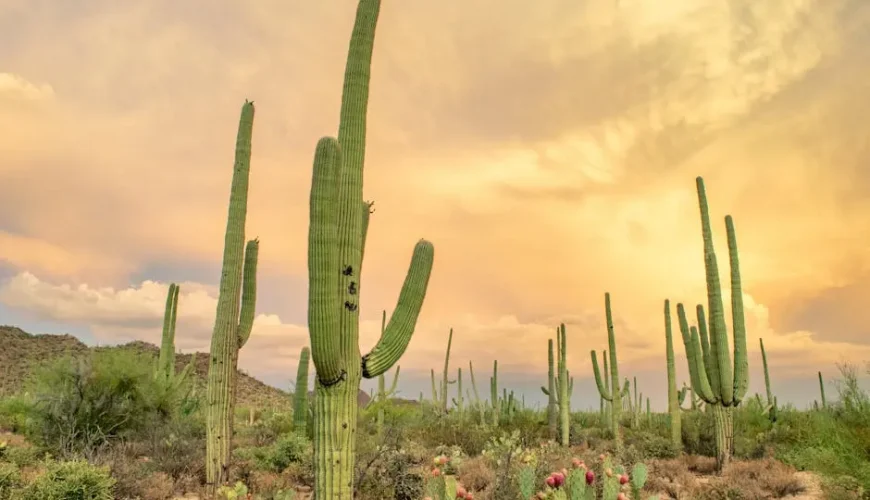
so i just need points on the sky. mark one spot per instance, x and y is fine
(550, 157)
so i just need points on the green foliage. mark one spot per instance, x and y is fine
(80, 404)
(71, 480)
(10, 480)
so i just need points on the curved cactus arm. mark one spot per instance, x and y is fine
(570, 385)
(597, 372)
(697, 371)
(249, 292)
(766, 372)
(323, 264)
(435, 397)
(738, 319)
(397, 334)
(719, 349)
(545, 391)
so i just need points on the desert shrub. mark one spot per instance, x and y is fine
(70, 480)
(10, 480)
(15, 414)
(83, 403)
(276, 457)
(653, 446)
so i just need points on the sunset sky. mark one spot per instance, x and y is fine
(549, 157)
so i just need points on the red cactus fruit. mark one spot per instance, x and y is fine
(601, 457)
(621, 496)
(469, 496)
(436, 472)
(623, 479)
(460, 491)
(590, 477)
(550, 481)
(560, 478)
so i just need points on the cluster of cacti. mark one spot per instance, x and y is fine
(634, 404)
(300, 393)
(440, 398)
(234, 317)
(771, 408)
(441, 483)
(336, 241)
(714, 379)
(560, 386)
(612, 394)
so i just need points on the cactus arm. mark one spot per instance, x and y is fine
(323, 264)
(473, 382)
(545, 391)
(697, 373)
(738, 319)
(444, 381)
(397, 334)
(822, 389)
(709, 361)
(605, 393)
(719, 349)
(249, 292)
(434, 387)
(614, 367)
(675, 397)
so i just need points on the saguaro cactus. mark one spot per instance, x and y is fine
(550, 391)
(822, 388)
(235, 312)
(613, 395)
(563, 384)
(770, 408)
(336, 241)
(714, 379)
(674, 411)
(300, 393)
(166, 359)
(495, 402)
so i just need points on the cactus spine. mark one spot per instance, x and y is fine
(674, 410)
(235, 312)
(613, 395)
(336, 242)
(714, 379)
(300, 394)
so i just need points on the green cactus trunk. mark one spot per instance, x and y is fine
(477, 401)
(674, 411)
(822, 388)
(612, 394)
(166, 359)
(721, 386)
(552, 406)
(564, 392)
(493, 394)
(300, 394)
(336, 242)
(444, 380)
(235, 313)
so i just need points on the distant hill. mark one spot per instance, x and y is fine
(20, 351)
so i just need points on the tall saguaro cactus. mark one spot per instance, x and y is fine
(771, 407)
(718, 383)
(563, 384)
(552, 407)
(300, 393)
(336, 241)
(613, 395)
(235, 312)
(495, 402)
(674, 411)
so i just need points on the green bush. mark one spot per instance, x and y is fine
(10, 480)
(82, 403)
(72, 480)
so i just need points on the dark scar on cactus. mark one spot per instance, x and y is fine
(330, 383)
(351, 289)
(348, 271)
(365, 369)
(350, 307)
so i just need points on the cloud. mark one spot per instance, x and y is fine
(136, 313)
(15, 88)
